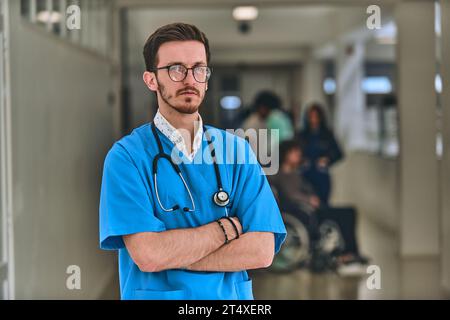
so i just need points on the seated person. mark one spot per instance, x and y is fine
(297, 196)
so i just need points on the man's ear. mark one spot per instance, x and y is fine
(150, 80)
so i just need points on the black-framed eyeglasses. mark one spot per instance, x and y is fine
(178, 72)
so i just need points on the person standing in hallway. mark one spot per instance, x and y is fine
(278, 118)
(185, 227)
(269, 115)
(320, 149)
(257, 120)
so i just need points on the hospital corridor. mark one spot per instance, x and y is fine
(123, 123)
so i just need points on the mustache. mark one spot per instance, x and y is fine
(181, 91)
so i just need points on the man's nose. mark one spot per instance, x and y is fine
(190, 77)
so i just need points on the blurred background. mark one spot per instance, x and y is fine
(68, 92)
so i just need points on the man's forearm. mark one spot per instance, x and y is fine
(173, 249)
(253, 250)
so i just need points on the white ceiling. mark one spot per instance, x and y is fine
(231, 3)
(280, 33)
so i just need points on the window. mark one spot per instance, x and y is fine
(376, 85)
(93, 30)
(56, 17)
(230, 102)
(42, 14)
(25, 8)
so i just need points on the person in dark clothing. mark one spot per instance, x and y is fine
(321, 151)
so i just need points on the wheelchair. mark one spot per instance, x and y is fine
(301, 249)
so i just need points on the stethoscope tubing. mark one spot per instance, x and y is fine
(217, 197)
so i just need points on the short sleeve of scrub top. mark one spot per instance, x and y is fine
(125, 206)
(253, 199)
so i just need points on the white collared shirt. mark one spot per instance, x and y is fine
(176, 138)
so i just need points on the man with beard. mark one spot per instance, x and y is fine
(186, 205)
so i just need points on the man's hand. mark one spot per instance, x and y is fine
(174, 249)
(254, 250)
(314, 201)
(323, 162)
(201, 248)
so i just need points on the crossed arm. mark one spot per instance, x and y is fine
(201, 249)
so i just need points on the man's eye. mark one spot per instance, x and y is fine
(178, 68)
(200, 70)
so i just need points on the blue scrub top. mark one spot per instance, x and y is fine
(128, 205)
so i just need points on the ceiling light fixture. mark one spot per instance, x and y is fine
(245, 13)
(49, 16)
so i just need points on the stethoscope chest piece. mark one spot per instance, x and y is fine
(221, 198)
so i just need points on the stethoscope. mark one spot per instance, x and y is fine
(221, 198)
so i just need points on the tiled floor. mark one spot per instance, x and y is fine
(416, 278)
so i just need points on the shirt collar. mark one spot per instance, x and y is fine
(176, 138)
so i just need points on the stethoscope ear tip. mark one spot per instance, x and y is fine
(185, 209)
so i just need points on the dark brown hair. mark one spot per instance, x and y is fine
(171, 32)
(317, 107)
(287, 146)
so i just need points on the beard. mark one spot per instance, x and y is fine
(185, 104)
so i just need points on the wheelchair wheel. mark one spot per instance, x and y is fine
(295, 249)
(331, 239)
